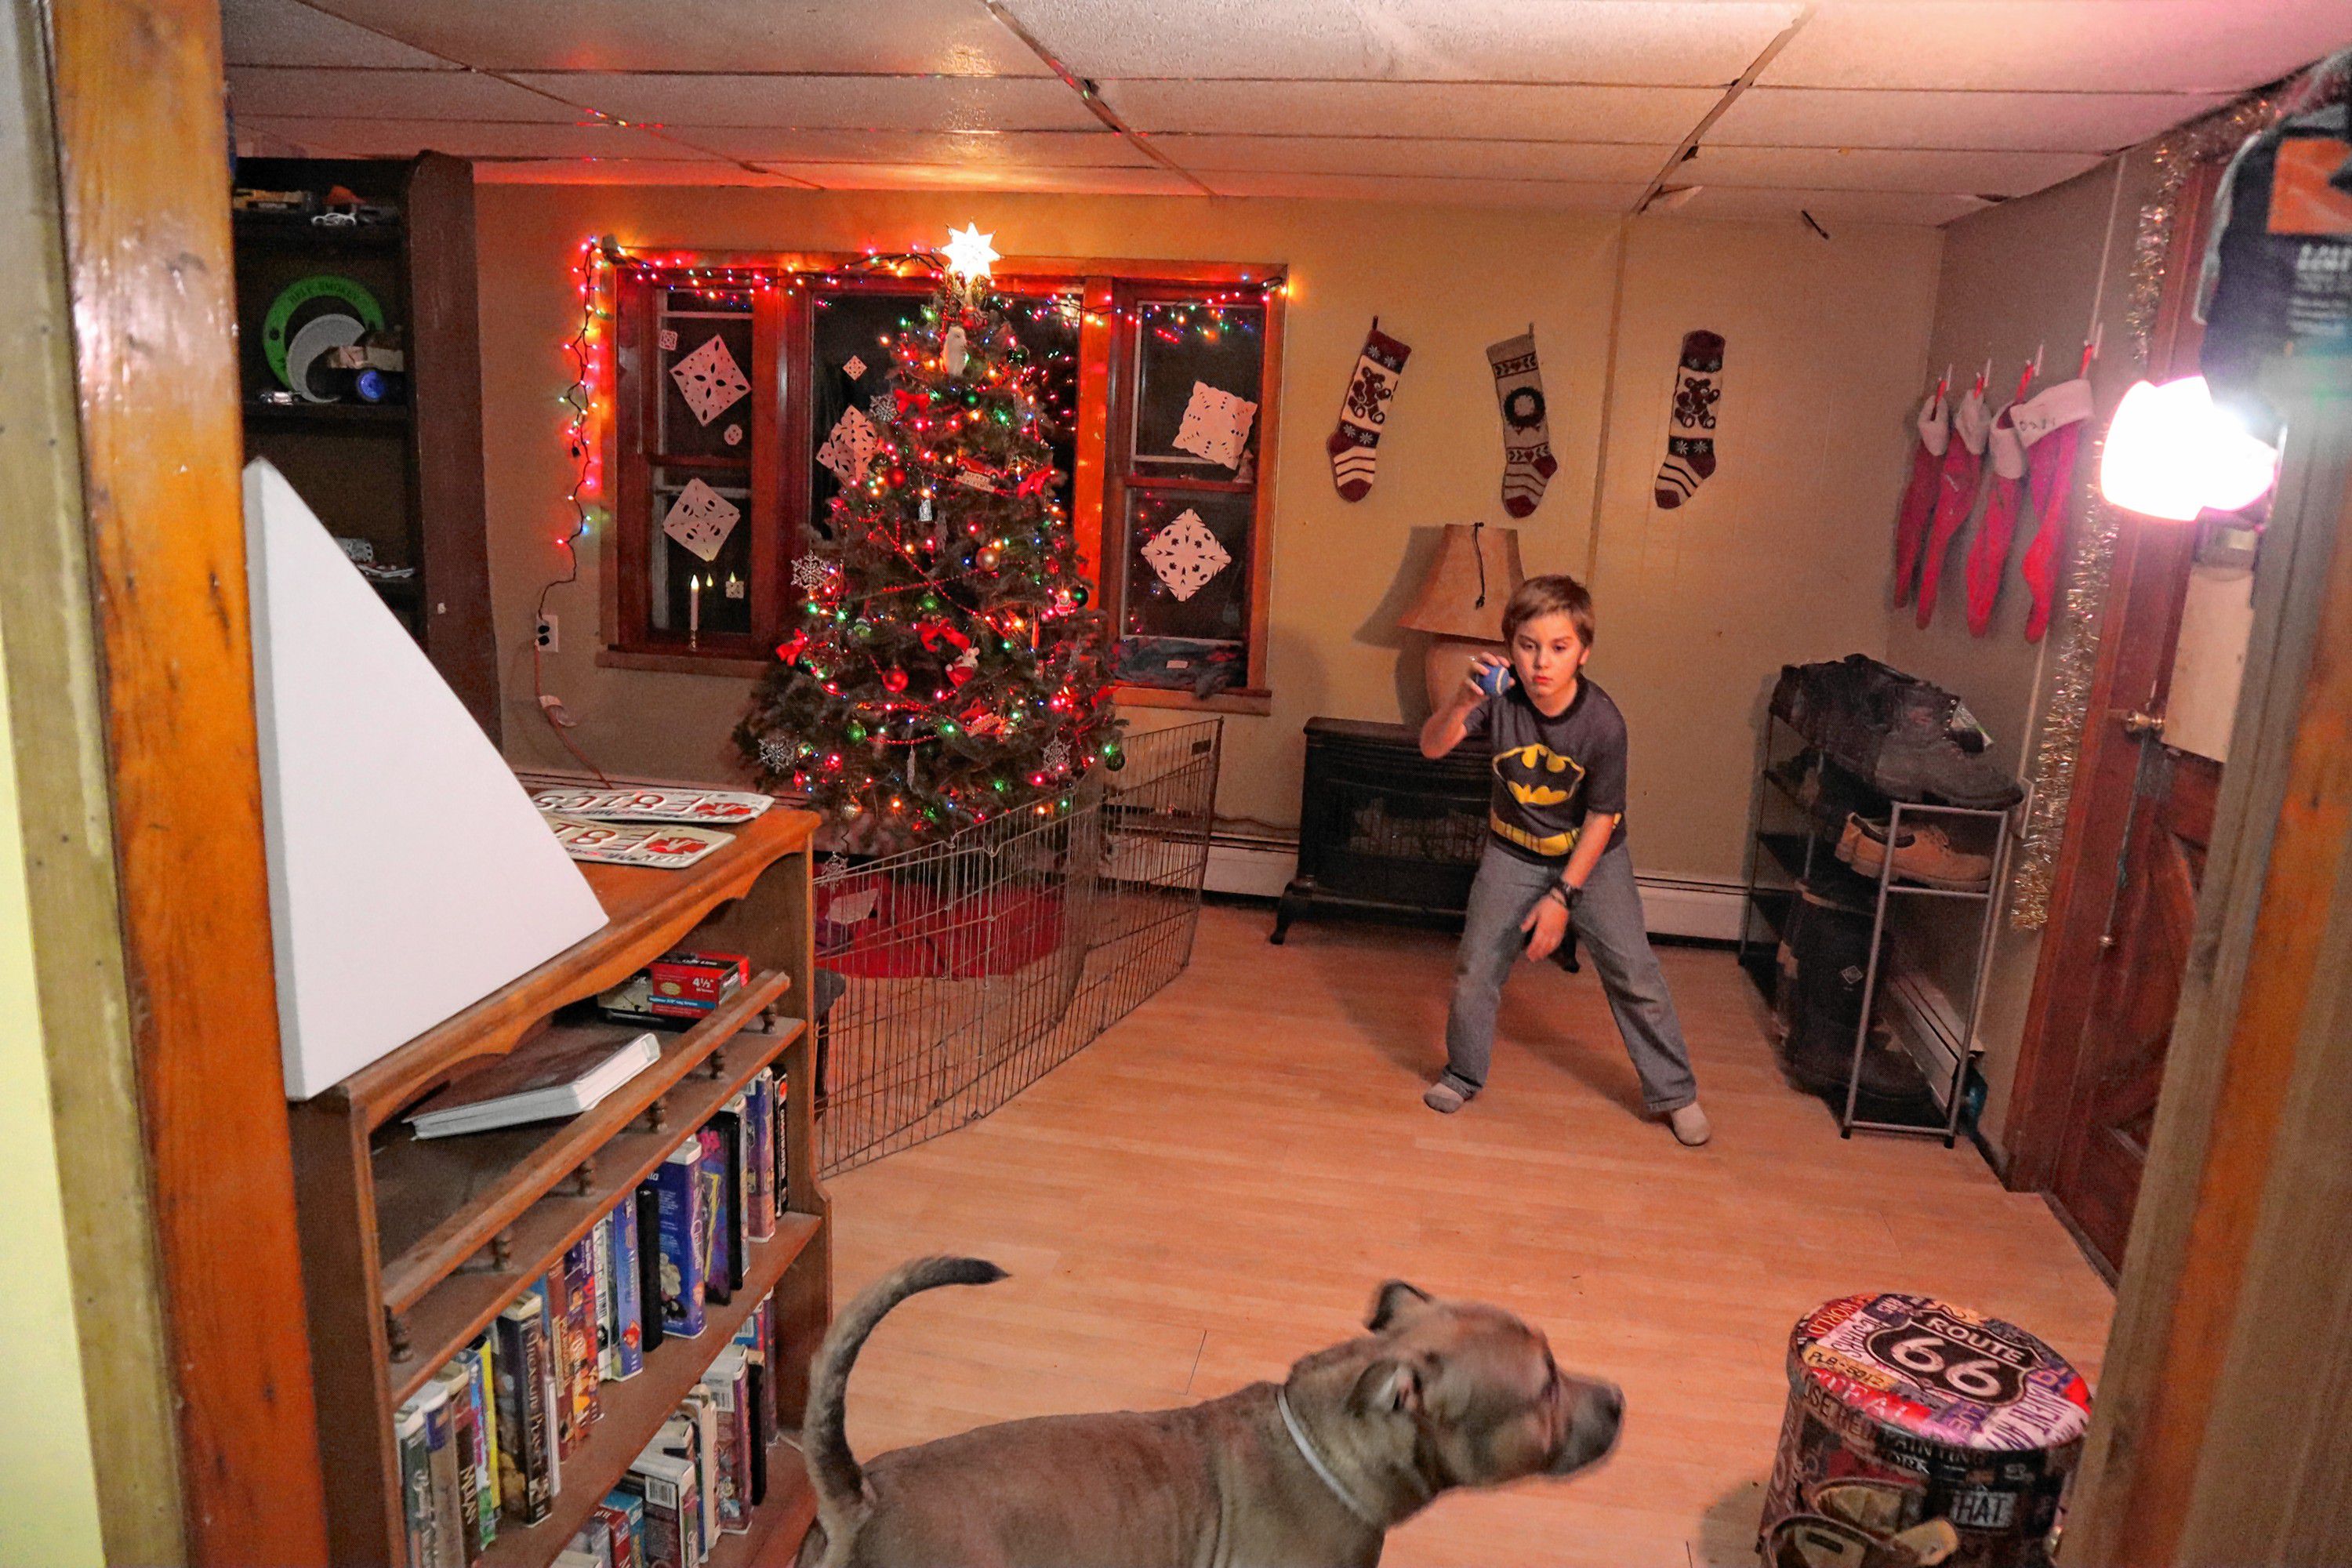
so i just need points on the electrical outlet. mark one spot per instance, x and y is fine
(549, 641)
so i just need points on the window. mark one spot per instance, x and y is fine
(736, 382)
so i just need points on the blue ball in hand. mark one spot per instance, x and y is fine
(1494, 680)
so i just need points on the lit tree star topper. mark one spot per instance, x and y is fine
(970, 252)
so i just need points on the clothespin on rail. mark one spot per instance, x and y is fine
(2091, 346)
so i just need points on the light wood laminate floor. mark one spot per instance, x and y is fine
(1215, 1187)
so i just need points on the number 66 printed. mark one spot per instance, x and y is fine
(1938, 1363)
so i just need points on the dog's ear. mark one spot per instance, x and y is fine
(1387, 1387)
(1393, 1303)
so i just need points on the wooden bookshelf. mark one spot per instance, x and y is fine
(413, 1247)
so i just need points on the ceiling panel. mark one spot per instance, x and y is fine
(289, 33)
(1150, 181)
(629, 171)
(845, 102)
(1692, 43)
(1918, 208)
(957, 38)
(1517, 111)
(463, 139)
(1417, 155)
(2019, 121)
(1558, 194)
(2081, 46)
(1842, 169)
(387, 95)
(1009, 149)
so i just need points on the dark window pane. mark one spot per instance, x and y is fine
(1187, 561)
(852, 371)
(703, 376)
(1047, 327)
(723, 603)
(1190, 352)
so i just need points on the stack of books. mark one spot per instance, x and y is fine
(485, 1441)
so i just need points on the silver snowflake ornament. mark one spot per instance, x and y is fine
(775, 756)
(883, 406)
(809, 574)
(835, 866)
(1057, 755)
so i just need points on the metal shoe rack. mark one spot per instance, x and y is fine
(1799, 854)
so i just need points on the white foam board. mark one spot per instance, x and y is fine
(410, 876)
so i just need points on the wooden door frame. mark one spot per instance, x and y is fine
(2147, 585)
(142, 177)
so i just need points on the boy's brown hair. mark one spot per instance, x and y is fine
(1557, 595)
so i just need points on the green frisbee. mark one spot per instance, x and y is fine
(318, 286)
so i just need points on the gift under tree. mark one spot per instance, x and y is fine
(946, 669)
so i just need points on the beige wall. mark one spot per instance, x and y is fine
(2023, 274)
(1698, 607)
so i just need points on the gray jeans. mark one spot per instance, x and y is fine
(1608, 922)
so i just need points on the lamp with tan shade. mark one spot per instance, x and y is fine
(1460, 602)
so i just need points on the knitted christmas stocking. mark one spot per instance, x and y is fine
(1956, 494)
(1355, 445)
(1528, 462)
(2051, 425)
(1690, 443)
(1934, 424)
(1989, 550)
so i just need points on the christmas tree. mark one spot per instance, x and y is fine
(947, 669)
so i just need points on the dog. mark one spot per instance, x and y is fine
(1309, 1473)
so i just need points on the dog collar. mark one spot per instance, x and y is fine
(1322, 1471)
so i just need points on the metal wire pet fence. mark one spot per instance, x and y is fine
(953, 976)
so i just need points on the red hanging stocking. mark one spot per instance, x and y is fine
(1989, 552)
(2052, 428)
(1919, 498)
(1956, 494)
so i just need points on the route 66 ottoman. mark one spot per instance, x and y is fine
(1920, 1433)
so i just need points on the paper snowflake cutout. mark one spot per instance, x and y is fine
(775, 756)
(710, 380)
(810, 573)
(668, 340)
(968, 252)
(853, 367)
(1216, 424)
(1185, 554)
(849, 447)
(701, 520)
(1057, 755)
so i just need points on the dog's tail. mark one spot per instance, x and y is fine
(832, 1470)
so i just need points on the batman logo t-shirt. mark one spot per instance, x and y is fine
(1551, 773)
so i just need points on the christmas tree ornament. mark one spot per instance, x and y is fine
(1935, 427)
(1364, 412)
(1690, 439)
(970, 253)
(2051, 425)
(955, 352)
(1528, 462)
(1956, 492)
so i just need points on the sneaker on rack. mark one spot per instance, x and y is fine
(1924, 855)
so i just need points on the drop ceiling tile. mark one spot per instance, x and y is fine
(1922, 208)
(1657, 42)
(1145, 181)
(980, 150)
(289, 33)
(459, 138)
(628, 172)
(1509, 110)
(2081, 46)
(1559, 195)
(387, 95)
(1862, 169)
(957, 37)
(826, 102)
(2016, 121)
(1416, 156)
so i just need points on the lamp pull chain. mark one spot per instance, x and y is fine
(1478, 548)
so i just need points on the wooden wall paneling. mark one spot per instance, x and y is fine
(2230, 1209)
(445, 347)
(58, 723)
(143, 152)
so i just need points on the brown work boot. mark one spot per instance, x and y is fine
(1923, 855)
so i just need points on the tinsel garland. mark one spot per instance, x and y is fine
(2177, 155)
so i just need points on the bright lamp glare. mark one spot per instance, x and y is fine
(2171, 454)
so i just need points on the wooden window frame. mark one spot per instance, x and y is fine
(783, 336)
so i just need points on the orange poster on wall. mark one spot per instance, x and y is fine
(2302, 200)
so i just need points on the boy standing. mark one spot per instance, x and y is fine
(1556, 857)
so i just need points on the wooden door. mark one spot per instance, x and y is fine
(2112, 1107)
